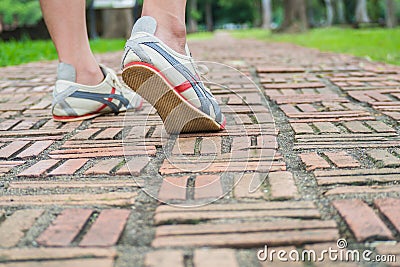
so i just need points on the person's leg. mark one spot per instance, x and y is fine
(66, 22)
(170, 17)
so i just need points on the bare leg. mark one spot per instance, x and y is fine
(170, 17)
(66, 21)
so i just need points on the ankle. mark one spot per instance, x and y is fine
(172, 32)
(89, 75)
(175, 39)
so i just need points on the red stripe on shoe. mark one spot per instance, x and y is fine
(223, 124)
(183, 87)
(73, 117)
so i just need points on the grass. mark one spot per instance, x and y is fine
(19, 52)
(376, 44)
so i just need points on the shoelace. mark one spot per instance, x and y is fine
(202, 69)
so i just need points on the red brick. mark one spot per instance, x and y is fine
(313, 161)
(66, 263)
(326, 127)
(245, 186)
(25, 125)
(266, 141)
(215, 258)
(293, 86)
(289, 109)
(85, 134)
(164, 258)
(12, 148)
(39, 168)
(15, 226)
(34, 133)
(108, 199)
(221, 166)
(381, 127)
(43, 254)
(230, 211)
(173, 188)
(376, 189)
(8, 124)
(390, 207)
(385, 157)
(243, 119)
(241, 142)
(307, 107)
(69, 167)
(134, 166)
(389, 249)
(248, 240)
(357, 127)
(342, 160)
(107, 229)
(208, 186)
(282, 185)
(108, 133)
(211, 145)
(6, 166)
(103, 152)
(35, 149)
(302, 128)
(104, 167)
(243, 227)
(65, 228)
(362, 220)
(184, 146)
(265, 69)
(81, 184)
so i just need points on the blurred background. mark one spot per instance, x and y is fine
(324, 24)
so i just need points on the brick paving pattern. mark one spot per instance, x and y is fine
(310, 155)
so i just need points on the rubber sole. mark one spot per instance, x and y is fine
(178, 115)
(75, 118)
(89, 116)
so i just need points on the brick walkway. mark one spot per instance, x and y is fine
(320, 133)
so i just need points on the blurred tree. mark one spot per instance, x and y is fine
(266, 14)
(117, 23)
(295, 18)
(18, 13)
(257, 13)
(340, 10)
(390, 14)
(209, 15)
(193, 16)
(329, 12)
(361, 15)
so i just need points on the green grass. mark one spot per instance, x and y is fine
(376, 44)
(19, 52)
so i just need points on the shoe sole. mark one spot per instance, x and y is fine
(178, 115)
(88, 116)
(75, 118)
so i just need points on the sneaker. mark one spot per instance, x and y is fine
(74, 102)
(169, 81)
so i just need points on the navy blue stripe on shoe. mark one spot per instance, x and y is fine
(103, 98)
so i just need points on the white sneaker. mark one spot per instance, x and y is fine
(74, 102)
(169, 81)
